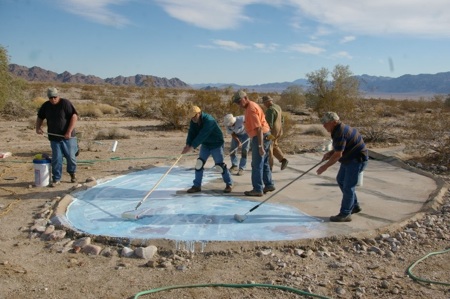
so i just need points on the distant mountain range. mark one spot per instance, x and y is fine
(38, 74)
(419, 85)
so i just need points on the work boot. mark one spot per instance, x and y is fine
(284, 164)
(228, 189)
(240, 172)
(73, 178)
(253, 193)
(356, 209)
(54, 184)
(268, 189)
(194, 189)
(341, 218)
(233, 168)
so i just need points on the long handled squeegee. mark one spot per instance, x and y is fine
(133, 215)
(241, 218)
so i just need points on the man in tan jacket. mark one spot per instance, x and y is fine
(274, 119)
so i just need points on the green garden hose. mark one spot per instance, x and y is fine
(410, 274)
(284, 288)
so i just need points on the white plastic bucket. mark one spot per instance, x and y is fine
(360, 179)
(41, 172)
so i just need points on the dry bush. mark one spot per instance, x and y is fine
(430, 136)
(15, 109)
(37, 102)
(209, 101)
(315, 130)
(112, 134)
(174, 114)
(96, 110)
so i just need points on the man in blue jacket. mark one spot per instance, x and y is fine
(204, 131)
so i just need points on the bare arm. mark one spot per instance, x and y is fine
(39, 126)
(332, 158)
(260, 136)
(73, 121)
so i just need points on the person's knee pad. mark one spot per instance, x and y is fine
(220, 167)
(199, 164)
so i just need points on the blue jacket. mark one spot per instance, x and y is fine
(206, 132)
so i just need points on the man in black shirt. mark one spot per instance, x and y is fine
(61, 118)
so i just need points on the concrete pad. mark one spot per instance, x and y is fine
(392, 192)
(299, 208)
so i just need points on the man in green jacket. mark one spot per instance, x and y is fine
(274, 118)
(205, 131)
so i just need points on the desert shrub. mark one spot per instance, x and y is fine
(209, 101)
(173, 114)
(89, 110)
(315, 130)
(17, 109)
(431, 136)
(292, 99)
(112, 134)
(5, 77)
(95, 110)
(142, 109)
(447, 102)
(37, 102)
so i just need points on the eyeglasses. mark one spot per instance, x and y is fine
(51, 98)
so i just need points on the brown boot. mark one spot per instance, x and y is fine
(73, 178)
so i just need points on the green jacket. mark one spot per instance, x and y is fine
(206, 132)
(273, 118)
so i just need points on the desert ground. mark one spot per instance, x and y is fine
(32, 266)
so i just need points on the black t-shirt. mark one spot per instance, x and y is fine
(58, 117)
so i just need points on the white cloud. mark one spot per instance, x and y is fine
(306, 49)
(209, 14)
(97, 11)
(229, 45)
(381, 17)
(342, 54)
(268, 48)
(347, 39)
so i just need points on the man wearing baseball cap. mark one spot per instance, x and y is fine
(258, 130)
(61, 118)
(350, 150)
(274, 118)
(206, 133)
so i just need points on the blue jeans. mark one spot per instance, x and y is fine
(65, 148)
(347, 178)
(244, 151)
(261, 174)
(217, 155)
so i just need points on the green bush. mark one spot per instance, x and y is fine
(174, 114)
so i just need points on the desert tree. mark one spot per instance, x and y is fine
(292, 98)
(12, 101)
(332, 91)
(5, 77)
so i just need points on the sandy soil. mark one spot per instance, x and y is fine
(32, 267)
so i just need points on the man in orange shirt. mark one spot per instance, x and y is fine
(258, 130)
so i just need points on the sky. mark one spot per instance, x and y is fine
(246, 42)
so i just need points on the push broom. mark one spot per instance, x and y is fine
(112, 148)
(133, 215)
(241, 218)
